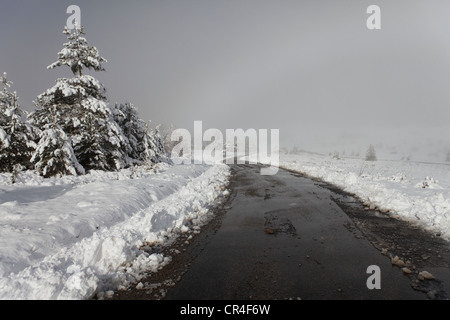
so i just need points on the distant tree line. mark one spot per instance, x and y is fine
(73, 129)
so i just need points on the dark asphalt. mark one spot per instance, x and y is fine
(282, 237)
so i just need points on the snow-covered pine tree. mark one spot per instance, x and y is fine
(78, 54)
(153, 146)
(166, 135)
(16, 135)
(133, 128)
(159, 144)
(54, 155)
(371, 154)
(144, 144)
(79, 107)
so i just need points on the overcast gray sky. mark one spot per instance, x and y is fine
(309, 68)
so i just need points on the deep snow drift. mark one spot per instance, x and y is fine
(77, 237)
(414, 191)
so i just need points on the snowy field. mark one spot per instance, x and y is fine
(418, 192)
(79, 237)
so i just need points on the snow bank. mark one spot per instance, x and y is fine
(74, 237)
(413, 191)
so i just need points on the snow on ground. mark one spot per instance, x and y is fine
(77, 237)
(414, 191)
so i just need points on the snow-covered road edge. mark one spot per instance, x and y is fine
(383, 190)
(111, 257)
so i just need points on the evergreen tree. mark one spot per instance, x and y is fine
(78, 54)
(54, 155)
(371, 154)
(153, 146)
(144, 143)
(166, 135)
(78, 106)
(16, 135)
(133, 128)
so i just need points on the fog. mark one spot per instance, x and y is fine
(309, 68)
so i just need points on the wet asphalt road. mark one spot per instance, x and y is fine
(284, 238)
(287, 237)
